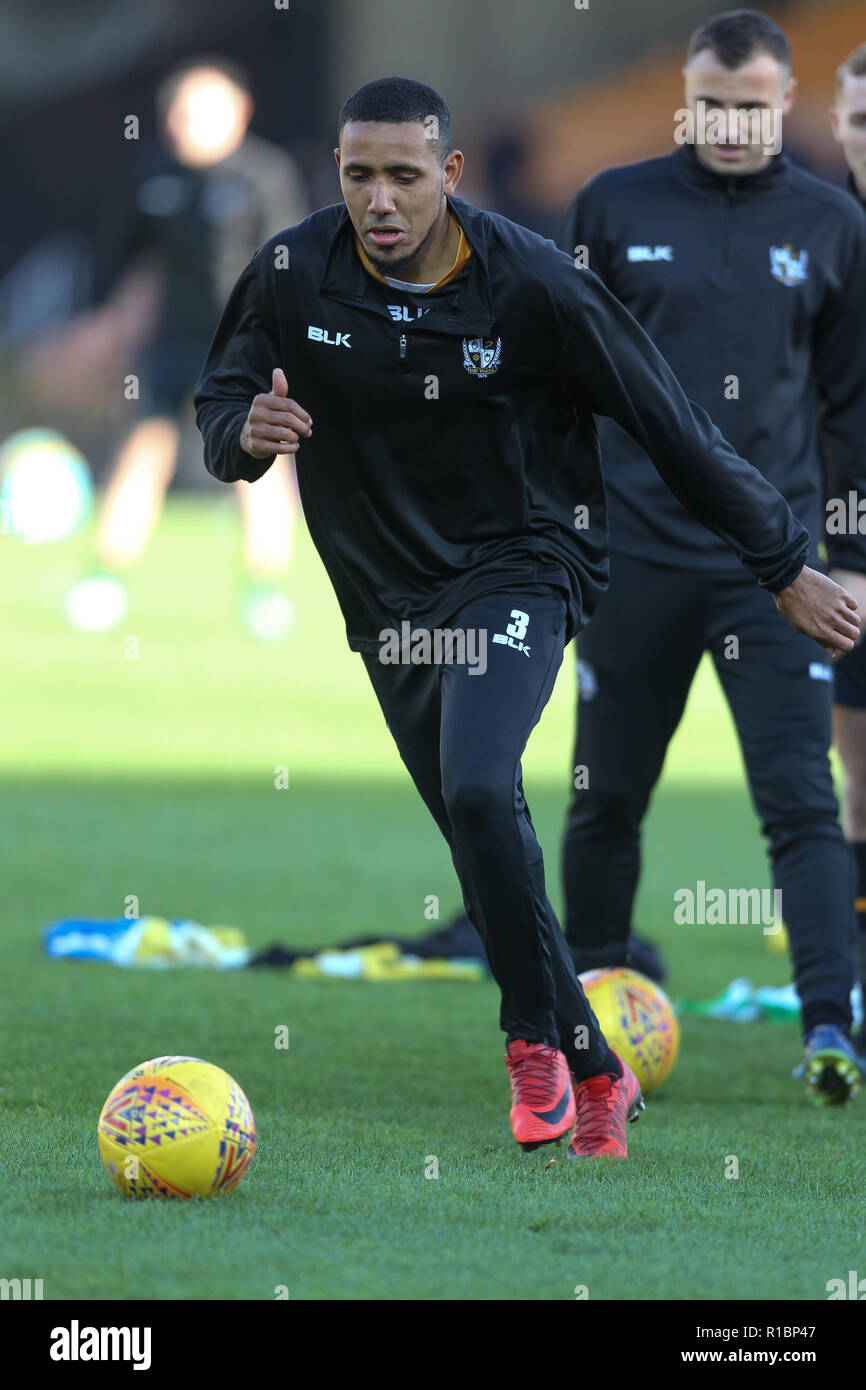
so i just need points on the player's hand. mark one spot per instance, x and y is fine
(855, 583)
(825, 611)
(275, 422)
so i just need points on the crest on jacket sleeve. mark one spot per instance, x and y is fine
(788, 265)
(481, 356)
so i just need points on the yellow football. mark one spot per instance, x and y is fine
(638, 1020)
(176, 1127)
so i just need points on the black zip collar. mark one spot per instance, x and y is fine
(692, 172)
(467, 310)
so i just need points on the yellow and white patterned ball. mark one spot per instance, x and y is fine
(176, 1127)
(638, 1021)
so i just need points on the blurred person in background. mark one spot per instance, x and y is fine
(209, 197)
(848, 119)
(749, 275)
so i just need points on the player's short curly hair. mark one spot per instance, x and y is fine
(735, 36)
(397, 99)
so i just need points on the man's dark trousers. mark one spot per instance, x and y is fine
(638, 658)
(461, 736)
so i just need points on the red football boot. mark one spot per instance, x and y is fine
(604, 1107)
(542, 1095)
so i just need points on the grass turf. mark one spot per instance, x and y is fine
(153, 775)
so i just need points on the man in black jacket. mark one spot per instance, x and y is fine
(445, 365)
(750, 276)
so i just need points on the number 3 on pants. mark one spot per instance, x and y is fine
(517, 628)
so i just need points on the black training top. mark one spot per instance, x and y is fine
(754, 289)
(454, 445)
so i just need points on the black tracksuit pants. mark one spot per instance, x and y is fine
(637, 659)
(461, 736)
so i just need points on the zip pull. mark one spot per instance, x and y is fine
(402, 347)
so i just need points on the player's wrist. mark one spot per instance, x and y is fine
(780, 586)
(246, 442)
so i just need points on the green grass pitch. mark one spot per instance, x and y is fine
(154, 775)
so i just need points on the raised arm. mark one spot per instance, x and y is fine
(243, 409)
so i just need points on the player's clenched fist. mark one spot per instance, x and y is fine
(275, 423)
(823, 610)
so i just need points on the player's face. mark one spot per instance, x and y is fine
(737, 145)
(395, 186)
(208, 117)
(849, 126)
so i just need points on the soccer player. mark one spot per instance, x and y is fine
(208, 200)
(436, 370)
(848, 118)
(749, 275)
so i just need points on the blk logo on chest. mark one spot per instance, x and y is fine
(650, 253)
(321, 335)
